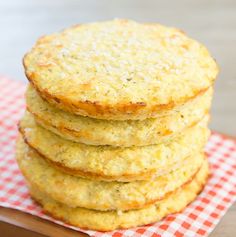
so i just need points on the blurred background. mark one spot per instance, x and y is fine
(213, 22)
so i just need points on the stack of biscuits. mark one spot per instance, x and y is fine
(116, 122)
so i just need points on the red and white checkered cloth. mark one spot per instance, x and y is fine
(198, 219)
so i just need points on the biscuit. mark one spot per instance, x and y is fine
(113, 163)
(119, 69)
(117, 133)
(111, 220)
(99, 195)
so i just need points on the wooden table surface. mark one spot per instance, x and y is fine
(212, 22)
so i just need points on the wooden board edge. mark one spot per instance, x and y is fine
(36, 224)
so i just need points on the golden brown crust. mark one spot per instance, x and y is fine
(91, 175)
(88, 219)
(94, 109)
(76, 192)
(101, 176)
(72, 135)
(120, 227)
(135, 205)
(97, 176)
(82, 173)
(113, 164)
(116, 133)
(101, 75)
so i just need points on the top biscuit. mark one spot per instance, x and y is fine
(119, 69)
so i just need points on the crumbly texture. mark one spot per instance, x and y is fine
(111, 220)
(99, 195)
(117, 133)
(119, 69)
(113, 163)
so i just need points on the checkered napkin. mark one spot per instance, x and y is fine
(198, 219)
